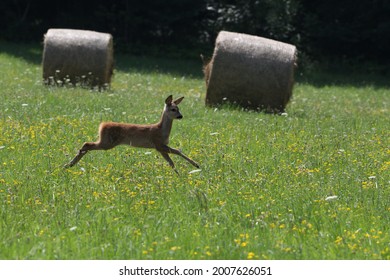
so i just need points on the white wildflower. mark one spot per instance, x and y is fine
(330, 198)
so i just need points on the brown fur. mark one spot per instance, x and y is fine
(155, 136)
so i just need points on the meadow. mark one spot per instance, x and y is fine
(310, 184)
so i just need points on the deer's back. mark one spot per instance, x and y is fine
(142, 136)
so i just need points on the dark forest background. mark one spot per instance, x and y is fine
(338, 29)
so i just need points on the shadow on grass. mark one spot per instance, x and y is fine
(345, 74)
(320, 75)
(150, 64)
(32, 53)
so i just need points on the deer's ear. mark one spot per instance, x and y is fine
(177, 101)
(168, 101)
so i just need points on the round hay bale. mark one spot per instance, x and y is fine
(254, 72)
(77, 56)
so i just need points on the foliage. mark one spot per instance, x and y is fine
(346, 28)
(342, 29)
(312, 184)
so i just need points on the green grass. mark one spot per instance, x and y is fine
(261, 192)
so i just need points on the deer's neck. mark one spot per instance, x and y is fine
(165, 125)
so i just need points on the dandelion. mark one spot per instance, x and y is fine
(250, 256)
(175, 248)
(244, 235)
(338, 240)
(222, 203)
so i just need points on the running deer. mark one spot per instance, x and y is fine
(155, 136)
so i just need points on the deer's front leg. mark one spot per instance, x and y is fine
(169, 160)
(177, 152)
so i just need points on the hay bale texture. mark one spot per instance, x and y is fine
(78, 56)
(254, 72)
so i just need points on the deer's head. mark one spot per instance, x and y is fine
(172, 109)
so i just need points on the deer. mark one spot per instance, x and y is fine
(152, 136)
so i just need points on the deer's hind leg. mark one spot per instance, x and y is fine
(82, 152)
(104, 143)
(109, 137)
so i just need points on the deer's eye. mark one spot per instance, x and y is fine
(173, 110)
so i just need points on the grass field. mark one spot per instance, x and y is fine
(312, 184)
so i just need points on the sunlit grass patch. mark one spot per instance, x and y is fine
(311, 184)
